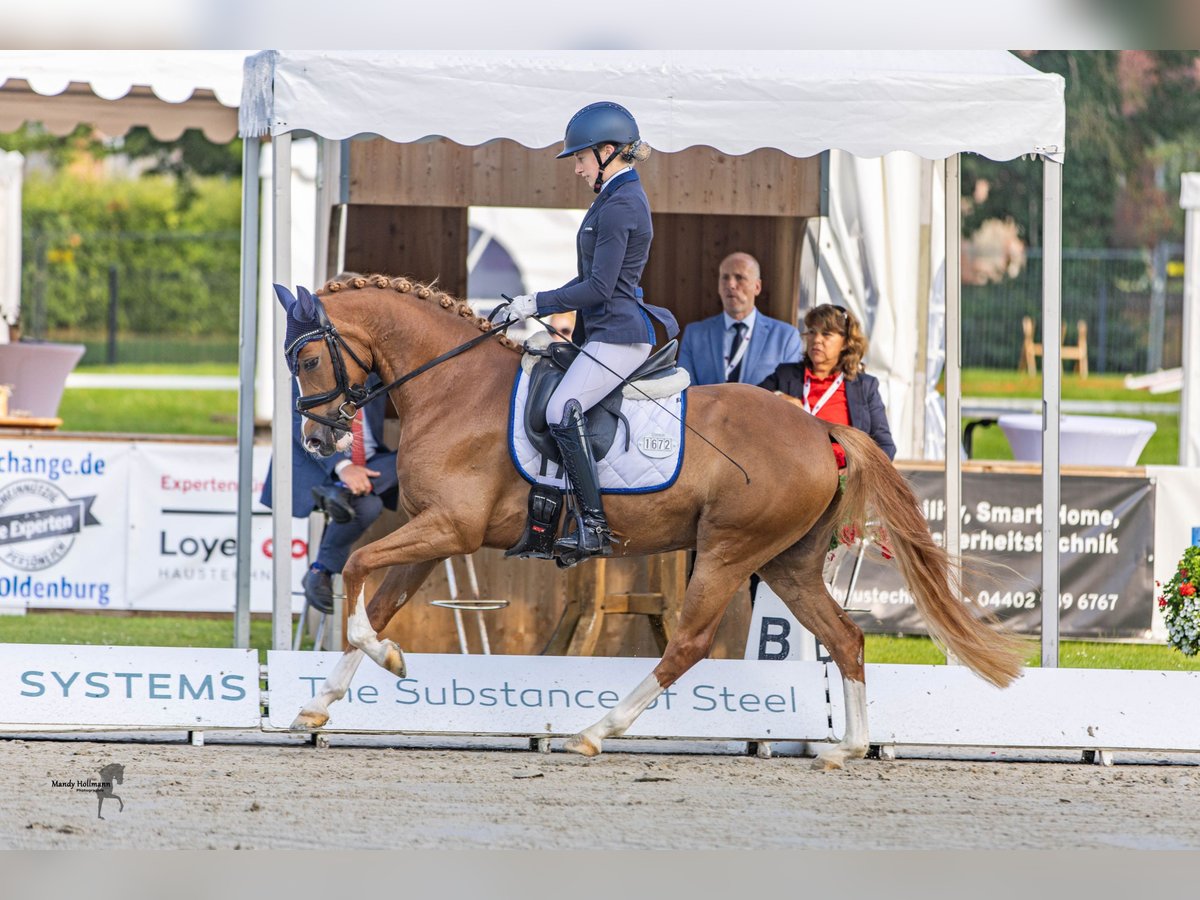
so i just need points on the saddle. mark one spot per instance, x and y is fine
(602, 418)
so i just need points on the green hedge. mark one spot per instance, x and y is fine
(175, 256)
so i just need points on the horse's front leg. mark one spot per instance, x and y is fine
(420, 543)
(398, 585)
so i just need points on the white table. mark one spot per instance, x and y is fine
(1083, 440)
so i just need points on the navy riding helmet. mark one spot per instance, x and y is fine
(599, 123)
(594, 126)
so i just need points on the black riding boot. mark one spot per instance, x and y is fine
(591, 536)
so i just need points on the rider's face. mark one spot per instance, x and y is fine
(586, 166)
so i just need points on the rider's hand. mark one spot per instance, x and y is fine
(357, 478)
(522, 307)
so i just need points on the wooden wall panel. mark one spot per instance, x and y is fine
(423, 242)
(700, 180)
(688, 249)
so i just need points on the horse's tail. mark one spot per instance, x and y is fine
(874, 489)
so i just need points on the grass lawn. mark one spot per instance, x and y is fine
(185, 631)
(990, 443)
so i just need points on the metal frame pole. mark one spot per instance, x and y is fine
(953, 238)
(281, 419)
(1051, 402)
(1189, 399)
(247, 344)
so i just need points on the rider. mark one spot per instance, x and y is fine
(613, 325)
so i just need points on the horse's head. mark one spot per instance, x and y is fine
(330, 374)
(113, 772)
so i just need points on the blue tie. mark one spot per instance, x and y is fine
(739, 335)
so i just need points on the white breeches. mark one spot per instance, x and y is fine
(589, 382)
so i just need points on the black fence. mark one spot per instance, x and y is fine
(135, 297)
(1131, 300)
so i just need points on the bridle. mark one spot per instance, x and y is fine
(357, 396)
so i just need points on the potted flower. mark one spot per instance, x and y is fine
(1180, 604)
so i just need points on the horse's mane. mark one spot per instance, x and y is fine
(402, 285)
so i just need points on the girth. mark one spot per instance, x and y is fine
(602, 418)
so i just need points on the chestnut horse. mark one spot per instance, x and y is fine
(461, 492)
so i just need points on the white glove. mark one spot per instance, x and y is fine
(522, 307)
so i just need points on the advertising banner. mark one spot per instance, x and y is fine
(1106, 553)
(122, 525)
(183, 531)
(148, 687)
(63, 521)
(556, 695)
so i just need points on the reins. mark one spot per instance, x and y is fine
(356, 395)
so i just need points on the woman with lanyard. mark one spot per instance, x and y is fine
(612, 323)
(829, 381)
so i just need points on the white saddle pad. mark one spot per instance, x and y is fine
(655, 437)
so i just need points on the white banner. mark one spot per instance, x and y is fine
(63, 521)
(183, 531)
(146, 687)
(148, 526)
(556, 695)
(1100, 709)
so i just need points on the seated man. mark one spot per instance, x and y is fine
(740, 343)
(351, 488)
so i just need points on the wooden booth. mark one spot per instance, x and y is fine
(407, 215)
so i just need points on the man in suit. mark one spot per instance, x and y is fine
(740, 344)
(351, 488)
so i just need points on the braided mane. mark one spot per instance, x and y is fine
(423, 291)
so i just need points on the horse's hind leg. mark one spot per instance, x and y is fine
(709, 591)
(398, 585)
(795, 575)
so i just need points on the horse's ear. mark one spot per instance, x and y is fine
(311, 308)
(286, 300)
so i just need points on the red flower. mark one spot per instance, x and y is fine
(1187, 589)
(1162, 602)
(1183, 573)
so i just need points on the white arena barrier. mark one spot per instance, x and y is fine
(81, 688)
(549, 696)
(1088, 709)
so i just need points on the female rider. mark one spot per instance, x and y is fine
(613, 324)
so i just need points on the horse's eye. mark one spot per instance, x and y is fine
(309, 364)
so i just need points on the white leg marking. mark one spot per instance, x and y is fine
(854, 741)
(590, 741)
(360, 634)
(315, 712)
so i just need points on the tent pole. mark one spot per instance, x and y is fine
(1051, 402)
(953, 238)
(281, 424)
(247, 344)
(1189, 400)
(924, 274)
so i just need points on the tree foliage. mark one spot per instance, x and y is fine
(1133, 124)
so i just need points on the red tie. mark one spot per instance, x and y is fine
(358, 452)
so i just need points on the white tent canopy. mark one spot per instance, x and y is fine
(864, 102)
(114, 90)
(867, 103)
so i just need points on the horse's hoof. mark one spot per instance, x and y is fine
(393, 659)
(308, 721)
(829, 761)
(582, 745)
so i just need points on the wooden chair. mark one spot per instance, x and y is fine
(1076, 352)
